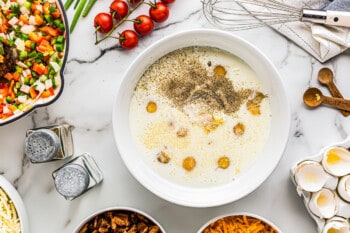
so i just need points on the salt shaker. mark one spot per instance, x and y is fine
(49, 143)
(77, 176)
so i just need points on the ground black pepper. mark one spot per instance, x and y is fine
(184, 79)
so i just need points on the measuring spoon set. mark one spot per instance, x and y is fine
(313, 97)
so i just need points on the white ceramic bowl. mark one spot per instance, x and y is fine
(263, 165)
(240, 214)
(129, 209)
(18, 203)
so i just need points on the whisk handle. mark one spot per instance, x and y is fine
(338, 18)
(334, 18)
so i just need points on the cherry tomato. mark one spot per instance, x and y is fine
(159, 12)
(128, 39)
(168, 1)
(103, 22)
(119, 9)
(143, 25)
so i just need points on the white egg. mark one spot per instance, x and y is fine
(336, 225)
(324, 203)
(344, 188)
(336, 161)
(310, 176)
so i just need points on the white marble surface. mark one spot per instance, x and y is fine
(92, 76)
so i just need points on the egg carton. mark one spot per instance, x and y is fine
(323, 181)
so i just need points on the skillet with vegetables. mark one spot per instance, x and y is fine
(32, 41)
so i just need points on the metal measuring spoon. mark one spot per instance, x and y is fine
(326, 77)
(313, 97)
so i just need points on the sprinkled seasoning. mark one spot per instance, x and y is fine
(185, 80)
(49, 143)
(41, 145)
(77, 176)
(71, 180)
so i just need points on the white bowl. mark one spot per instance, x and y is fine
(130, 209)
(18, 203)
(240, 214)
(263, 165)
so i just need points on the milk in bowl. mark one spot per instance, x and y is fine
(200, 116)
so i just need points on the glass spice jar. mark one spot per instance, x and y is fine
(49, 143)
(77, 176)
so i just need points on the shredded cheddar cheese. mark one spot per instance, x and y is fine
(239, 224)
(9, 222)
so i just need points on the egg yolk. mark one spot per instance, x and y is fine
(322, 200)
(332, 230)
(189, 163)
(214, 124)
(151, 107)
(239, 129)
(220, 70)
(332, 157)
(223, 162)
(310, 177)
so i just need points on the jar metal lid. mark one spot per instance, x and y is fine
(71, 180)
(42, 145)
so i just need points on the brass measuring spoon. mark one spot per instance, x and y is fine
(326, 77)
(313, 97)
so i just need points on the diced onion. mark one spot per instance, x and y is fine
(27, 72)
(21, 64)
(24, 10)
(20, 44)
(5, 6)
(26, 29)
(11, 35)
(17, 111)
(39, 8)
(22, 98)
(6, 110)
(55, 66)
(25, 88)
(31, 20)
(13, 21)
(58, 80)
(48, 84)
(39, 86)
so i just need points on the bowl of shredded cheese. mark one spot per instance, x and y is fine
(13, 217)
(239, 222)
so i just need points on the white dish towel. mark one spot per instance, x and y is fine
(322, 42)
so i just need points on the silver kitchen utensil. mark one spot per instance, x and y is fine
(248, 14)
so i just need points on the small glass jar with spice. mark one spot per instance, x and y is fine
(49, 143)
(77, 176)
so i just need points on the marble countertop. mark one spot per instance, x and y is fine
(92, 76)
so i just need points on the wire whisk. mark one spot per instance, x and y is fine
(248, 14)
